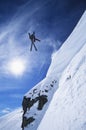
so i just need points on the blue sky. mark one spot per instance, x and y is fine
(53, 21)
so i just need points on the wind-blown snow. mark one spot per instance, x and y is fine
(66, 109)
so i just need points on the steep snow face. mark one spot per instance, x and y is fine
(70, 47)
(67, 110)
(49, 85)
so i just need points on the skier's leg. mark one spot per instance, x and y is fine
(31, 46)
(35, 47)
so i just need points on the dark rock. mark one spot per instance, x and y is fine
(34, 90)
(46, 90)
(25, 104)
(51, 85)
(42, 100)
(53, 82)
(69, 77)
(26, 121)
(30, 120)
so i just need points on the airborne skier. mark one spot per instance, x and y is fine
(33, 40)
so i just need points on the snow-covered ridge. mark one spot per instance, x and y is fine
(70, 47)
(63, 72)
(67, 110)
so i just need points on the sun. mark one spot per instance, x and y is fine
(17, 66)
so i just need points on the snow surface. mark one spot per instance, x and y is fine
(69, 49)
(66, 109)
(11, 121)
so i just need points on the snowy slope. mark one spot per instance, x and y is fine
(67, 110)
(70, 47)
(60, 61)
(11, 121)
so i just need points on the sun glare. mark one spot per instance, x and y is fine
(17, 67)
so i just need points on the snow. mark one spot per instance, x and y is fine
(66, 106)
(69, 49)
(11, 121)
(34, 112)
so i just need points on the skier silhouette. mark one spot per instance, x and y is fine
(33, 40)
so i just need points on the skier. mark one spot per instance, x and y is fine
(33, 40)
